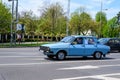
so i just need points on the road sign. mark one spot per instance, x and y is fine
(19, 27)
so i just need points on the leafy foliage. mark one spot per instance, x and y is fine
(5, 18)
(102, 20)
(52, 22)
(82, 23)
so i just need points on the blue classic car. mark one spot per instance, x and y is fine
(75, 46)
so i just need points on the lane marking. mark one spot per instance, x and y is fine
(21, 56)
(70, 68)
(103, 77)
(80, 67)
(20, 64)
(87, 67)
(45, 61)
(53, 62)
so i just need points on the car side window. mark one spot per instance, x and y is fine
(79, 40)
(111, 41)
(91, 41)
(117, 41)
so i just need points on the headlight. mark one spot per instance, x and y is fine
(44, 48)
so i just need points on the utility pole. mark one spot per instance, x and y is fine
(68, 11)
(12, 20)
(16, 19)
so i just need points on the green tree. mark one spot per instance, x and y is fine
(5, 18)
(101, 18)
(30, 22)
(113, 27)
(52, 21)
(81, 23)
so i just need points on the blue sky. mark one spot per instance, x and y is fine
(91, 6)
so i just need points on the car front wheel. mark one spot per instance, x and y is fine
(60, 55)
(98, 55)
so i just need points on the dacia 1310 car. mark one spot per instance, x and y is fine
(75, 46)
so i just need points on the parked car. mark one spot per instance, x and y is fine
(75, 46)
(114, 43)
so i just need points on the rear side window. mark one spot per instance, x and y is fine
(111, 41)
(117, 41)
(89, 41)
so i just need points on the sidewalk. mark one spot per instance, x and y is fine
(26, 43)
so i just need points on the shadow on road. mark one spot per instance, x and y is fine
(79, 58)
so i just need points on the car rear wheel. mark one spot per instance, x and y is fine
(60, 55)
(104, 55)
(98, 55)
(119, 50)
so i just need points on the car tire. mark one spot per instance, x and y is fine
(50, 56)
(119, 50)
(61, 55)
(104, 55)
(97, 55)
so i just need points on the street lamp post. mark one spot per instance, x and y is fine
(100, 20)
(11, 27)
(12, 20)
(101, 12)
(16, 19)
(68, 11)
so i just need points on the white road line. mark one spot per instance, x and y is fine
(20, 56)
(45, 62)
(87, 67)
(53, 62)
(20, 64)
(103, 77)
(80, 67)
(85, 61)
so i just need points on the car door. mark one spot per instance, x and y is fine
(111, 44)
(117, 44)
(90, 46)
(77, 49)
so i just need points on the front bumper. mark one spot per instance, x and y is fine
(46, 52)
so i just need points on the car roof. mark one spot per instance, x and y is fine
(104, 38)
(110, 38)
(82, 36)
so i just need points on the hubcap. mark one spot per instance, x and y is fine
(61, 55)
(98, 55)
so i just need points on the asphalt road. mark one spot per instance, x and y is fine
(30, 64)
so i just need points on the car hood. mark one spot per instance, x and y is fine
(57, 45)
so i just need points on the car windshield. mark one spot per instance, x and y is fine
(68, 39)
(103, 40)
